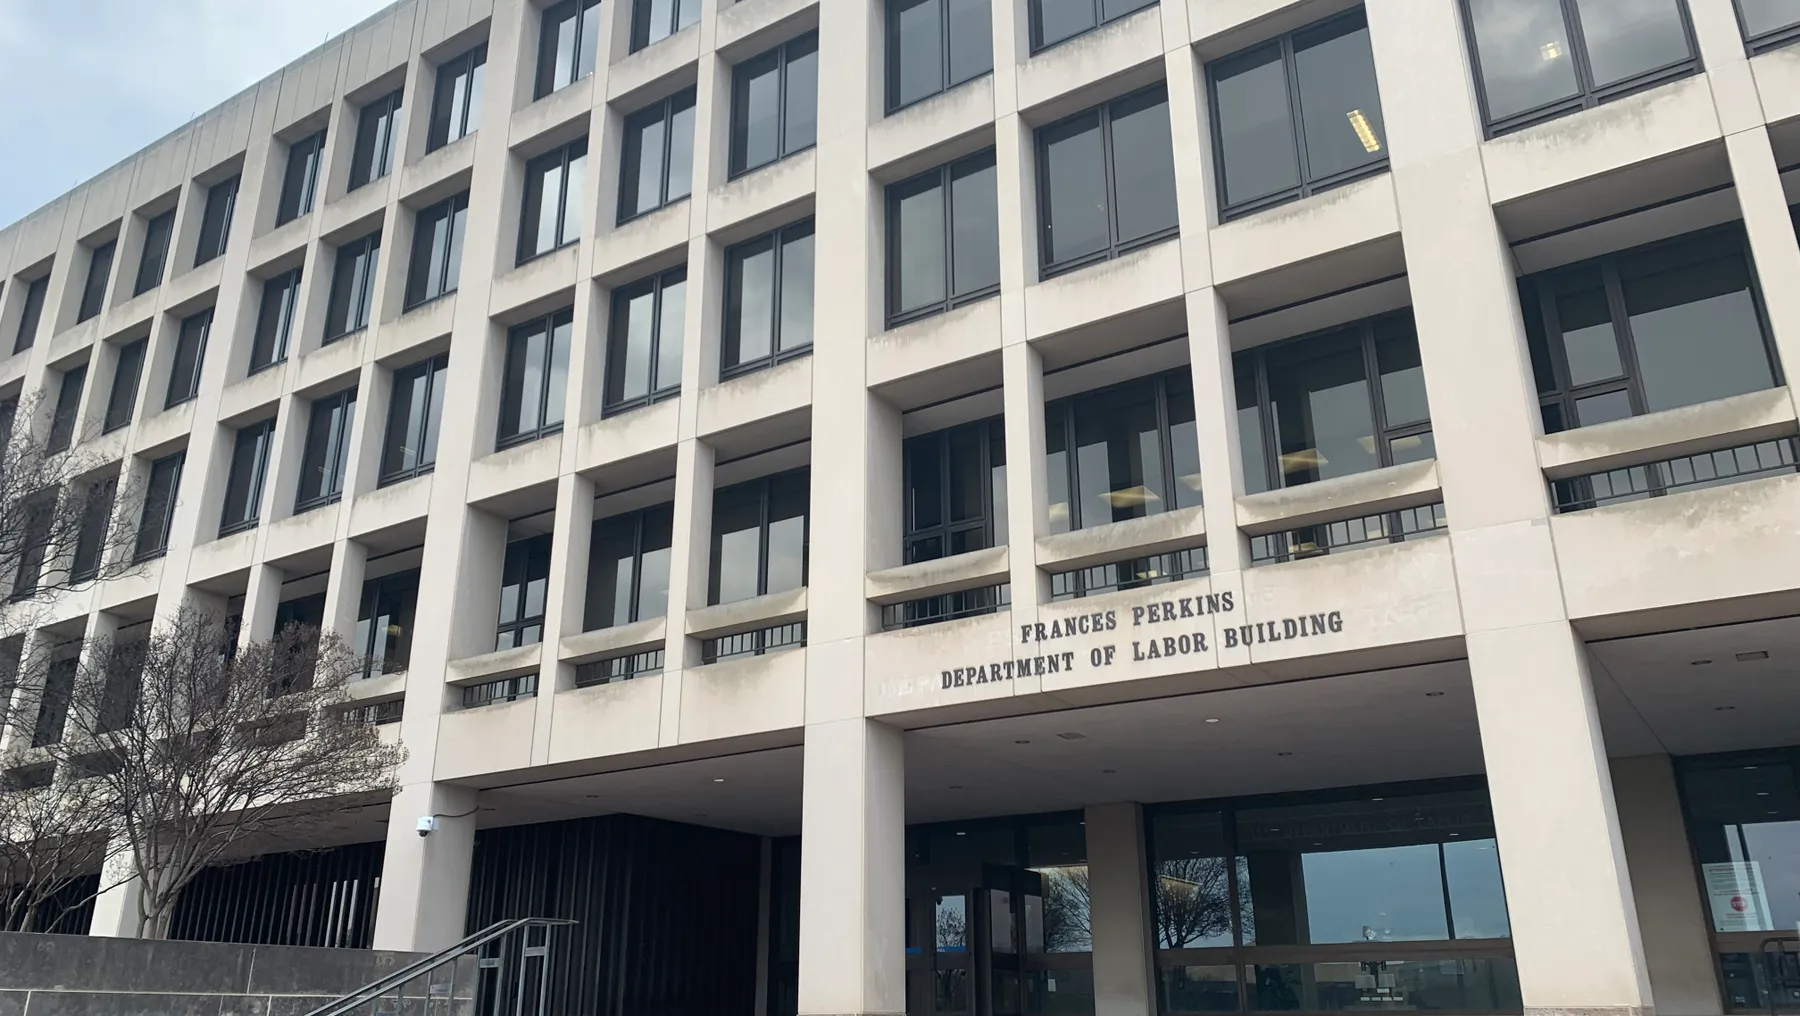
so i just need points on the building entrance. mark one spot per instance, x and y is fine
(975, 942)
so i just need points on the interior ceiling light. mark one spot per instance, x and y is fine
(1700, 663)
(1130, 497)
(1212, 719)
(1434, 694)
(1365, 132)
(1723, 709)
(1550, 50)
(1284, 754)
(1022, 742)
(718, 779)
(1760, 654)
(1070, 735)
(1109, 772)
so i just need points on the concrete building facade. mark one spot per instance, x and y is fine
(1134, 507)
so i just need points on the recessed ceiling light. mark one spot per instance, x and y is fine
(1109, 771)
(593, 797)
(955, 786)
(959, 832)
(1434, 694)
(1760, 654)
(718, 779)
(1723, 709)
(1377, 798)
(1699, 663)
(1212, 719)
(1456, 834)
(1071, 735)
(1022, 742)
(1283, 754)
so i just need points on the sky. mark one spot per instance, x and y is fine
(88, 82)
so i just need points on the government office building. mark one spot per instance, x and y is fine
(989, 507)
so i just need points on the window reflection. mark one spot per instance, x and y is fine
(1134, 452)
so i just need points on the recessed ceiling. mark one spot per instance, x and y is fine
(1687, 693)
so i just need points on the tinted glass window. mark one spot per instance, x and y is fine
(1669, 306)
(352, 287)
(301, 178)
(437, 250)
(374, 154)
(93, 293)
(68, 409)
(628, 568)
(933, 45)
(244, 483)
(160, 495)
(410, 447)
(658, 155)
(644, 344)
(157, 233)
(215, 224)
(96, 524)
(536, 378)
(126, 377)
(1112, 456)
(28, 318)
(525, 585)
(774, 104)
(944, 248)
(768, 301)
(275, 320)
(1626, 38)
(327, 447)
(553, 188)
(384, 623)
(1526, 60)
(656, 20)
(456, 105)
(1761, 17)
(955, 491)
(1053, 21)
(1144, 171)
(567, 46)
(1107, 180)
(190, 356)
(759, 538)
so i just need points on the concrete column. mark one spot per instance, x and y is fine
(1772, 241)
(1677, 950)
(853, 870)
(116, 908)
(425, 879)
(343, 590)
(262, 598)
(1027, 487)
(563, 599)
(1221, 457)
(1119, 911)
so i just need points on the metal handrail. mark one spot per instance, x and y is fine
(375, 989)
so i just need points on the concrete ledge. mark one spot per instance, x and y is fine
(251, 393)
(379, 687)
(1690, 430)
(1123, 541)
(285, 239)
(557, 110)
(515, 468)
(494, 666)
(973, 570)
(661, 68)
(348, 213)
(740, 616)
(429, 320)
(189, 285)
(374, 510)
(620, 640)
(1345, 497)
(914, 139)
(1333, 220)
(1068, 76)
(934, 342)
(431, 172)
(741, 25)
(73, 339)
(312, 529)
(165, 428)
(328, 363)
(742, 697)
(758, 395)
(214, 558)
(627, 435)
(761, 197)
(1132, 282)
(529, 288)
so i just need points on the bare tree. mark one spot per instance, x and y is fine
(1068, 902)
(53, 838)
(1193, 901)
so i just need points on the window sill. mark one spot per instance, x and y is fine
(331, 340)
(256, 369)
(921, 313)
(762, 363)
(946, 90)
(537, 96)
(634, 216)
(114, 428)
(1592, 100)
(1773, 40)
(1047, 272)
(1249, 208)
(739, 174)
(428, 301)
(146, 556)
(302, 507)
(526, 259)
(515, 440)
(1038, 48)
(184, 400)
(1121, 541)
(238, 527)
(974, 569)
(621, 408)
(410, 474)
(447, 143)
(1387, 489)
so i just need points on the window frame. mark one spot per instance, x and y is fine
(93, 289)
(661, 111)
(543, 79)
(891, 68)
(336, 453)
(640, 27)
(563, 157)
(159, 233)
(175, 397)
(1114, 248)
(738, 159)
(544, 428)
(263, 433)
(372, 591)
(360, 301)
(221, 208)
(119, 415)
(460, 122)
(1035, 15)
(97, 511)
(991, 429)
(765, 486)
(1065, 421)
(429, 368)
(656, 284)
(31, 317)
(730, 334)
(372, 158)
(454, 209)
(165, 522)
(637, 521)
(71, 386)
(310, 151)
(1774, 38)
(891, 197)
(534, 549)
(282, 336)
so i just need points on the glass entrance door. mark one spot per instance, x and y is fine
(940, 960)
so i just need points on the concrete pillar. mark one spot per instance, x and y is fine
(1027, 485)
(1119, 911)
(344, 588)
(262, 599)
(853, 870)
(1677, 950)
(1772, 241)
(425, 879)
(116, 908)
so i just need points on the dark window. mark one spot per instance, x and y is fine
(619, 668)
(552, 213)
(628, 568)
(190, 356)
(93, 295)
(775, 104)
(656, 20)
(244, 484)
(507, 689)
(68, 408)
(437, 250)
(375, 126)
(302, 178)
(160, 497)
(759, 538)
(352, 287)
(157, 234)
(1123, 452)
(1107, 181)
(524, 584)
(1334, 404)
(768, 300)
(943, 238)
(9, 412)
(215, 223)
(643, 347)
(275, 320)
(935, 45)
(96, 524)
(54, 701)
(955, 502)
(39, 515)
(1054, 21)
(1539, 59)
(34, 309)
(658, 165)
(1769, 23)
(1667, 325)
(754, 643)
(537, 374)
(384, 623)
(327, 448)
(410, 448)
(127, 374)
(568, 44)
(456, 107)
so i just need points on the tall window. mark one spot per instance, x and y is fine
(327, 449)
(1122, 452)
(552, 213)
(244, 483)
(1106, 179)
(1540, 59)
(93, 294)
(955, 502)
(34, 309)
(775, 104)
(54, 701)
(437, 250)
(759, 538)
(643, 347)
(1663, 326)
(127, 375)
(215, 222)
(384, 623)
(301, 179)
(943, 236)
(658, 165)
(157, 234)
(768, 300)
(628, 568)
(456, 104)
(567, 45)
(410, 447)
(190, 357)
(656, 20)
(275, 320)
(1768, 24)
(1335, 404)
(352, 287)
(1054, 21)
(524, 584)
(96, 523)
(375, 125)
(37, 513)
(1295, 115)
(160, 496)
(537, 375)
(935, 45)
(68, 409)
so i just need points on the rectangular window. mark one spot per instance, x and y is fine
(327, 448)
(510, 689)
(768, 300)
(1296, 115)
(375, 126)
(215, 223)
(410, 447)
(96, 523)
(943, 238)
(352, 287)
(775, 104)
(37, 516)
(93, 294)
(190, 357)
(1536, 60)
(127, 374)
(754, 643)
(34, 309)
(244, 483)
(935, 45)
(628, 568)
(1054, 21)
(1123, 452)
(157, 234)
(1106, 181)
(54, 702)
(524, 584)
(437, 250)
(301, 179)
(759, 537)
(385, 621)
(537, 375)
(656, 20)
(567, 45)
(954, 484)
(275, 320)
(658, 165)
(161, 494)
(552, 213)
(456, 105)
(1768, 24)
(68, 409)
(643, 346)
(619, 668)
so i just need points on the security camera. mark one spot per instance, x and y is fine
(427, 825)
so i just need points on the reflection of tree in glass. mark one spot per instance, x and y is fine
(1066, 909)
(1193, 902)
(952, 924)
